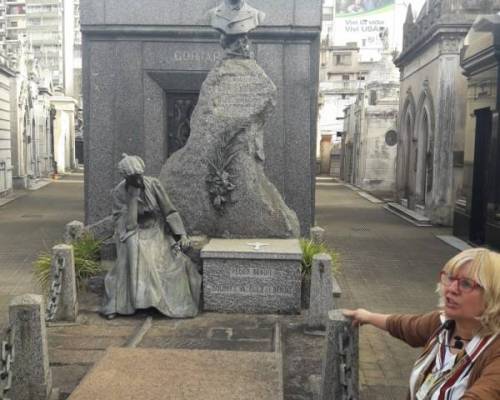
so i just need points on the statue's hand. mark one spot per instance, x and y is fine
(185, 242)
(133, 192)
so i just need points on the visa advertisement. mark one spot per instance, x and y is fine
(363, 21)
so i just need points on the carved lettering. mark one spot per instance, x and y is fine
(235, 95)
(244, 272)
(194, 55)
(252, 289)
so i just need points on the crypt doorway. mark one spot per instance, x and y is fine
(479, 200)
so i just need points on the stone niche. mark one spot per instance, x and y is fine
(144, 63)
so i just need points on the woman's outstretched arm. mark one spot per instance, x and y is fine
(362, 317)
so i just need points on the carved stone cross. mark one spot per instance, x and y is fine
(257, 245)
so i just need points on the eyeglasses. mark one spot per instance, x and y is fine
(465, 285)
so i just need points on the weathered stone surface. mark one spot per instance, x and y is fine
(68, 304)
(340, 374)
(225, 155)
(32, 378)
(237, 278)
(127, 374)
(317, 234)
(321, 297)
(73, 231)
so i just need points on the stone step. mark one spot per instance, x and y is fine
(408, 215)
(127, 374)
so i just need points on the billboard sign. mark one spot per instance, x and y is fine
(363, 21)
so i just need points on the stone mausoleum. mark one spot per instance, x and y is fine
(430, 160)
(477, 216)
(144, 63)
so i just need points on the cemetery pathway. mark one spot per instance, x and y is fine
(389, 266)
(30, 224)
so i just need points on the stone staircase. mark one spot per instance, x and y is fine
(409, 215)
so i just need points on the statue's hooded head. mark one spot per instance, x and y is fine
(234, 3)
(132, 168)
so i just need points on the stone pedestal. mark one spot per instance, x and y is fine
(62, 255)
(32, 377)
(252, 275)
(340, 370)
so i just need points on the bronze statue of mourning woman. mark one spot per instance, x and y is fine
(151, 269)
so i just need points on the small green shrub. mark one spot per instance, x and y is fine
(87, 257)
(309, 250)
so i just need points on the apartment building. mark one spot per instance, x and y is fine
(44, 23)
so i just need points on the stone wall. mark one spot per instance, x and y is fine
(5, 140)
(139, 55)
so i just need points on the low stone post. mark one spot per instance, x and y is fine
(31, 375)
(320, 298)
(317, 234)
(340, 371)
(73, 230)
(62, 302)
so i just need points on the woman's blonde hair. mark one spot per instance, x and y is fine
(484, 268)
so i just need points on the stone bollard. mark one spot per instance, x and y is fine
(31, 375)
(317, 235)
(73, 230)
(62, 302)
(340, 374)
(320, 298)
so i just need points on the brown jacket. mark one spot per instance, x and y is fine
(484, 380)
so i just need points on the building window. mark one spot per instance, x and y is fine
(345, 77)
(343, 59)
(373, 98)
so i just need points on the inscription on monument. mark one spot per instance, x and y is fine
(235, 96)
(195, 55)
(250, 280)
(255, 289)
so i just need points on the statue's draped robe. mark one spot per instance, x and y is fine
(148, 271)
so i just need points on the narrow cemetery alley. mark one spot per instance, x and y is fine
(31, 224)
(388, 266)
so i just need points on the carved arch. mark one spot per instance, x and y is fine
(406, 132)
(425, 124)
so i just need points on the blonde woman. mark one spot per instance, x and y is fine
(461, 356)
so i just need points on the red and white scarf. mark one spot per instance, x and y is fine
(434, 377)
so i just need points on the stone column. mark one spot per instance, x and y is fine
(321, 296)
(317, 235)
(32, 378)
(62, 256)
(73, 230)
(340, 374)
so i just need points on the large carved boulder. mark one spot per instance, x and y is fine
(217, 180)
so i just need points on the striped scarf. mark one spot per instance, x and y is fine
(431, 379)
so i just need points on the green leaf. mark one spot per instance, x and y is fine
(87, 262)
(310, 249)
